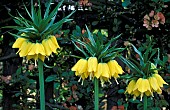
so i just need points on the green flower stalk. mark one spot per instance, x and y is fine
(35, 38)
(99, 64)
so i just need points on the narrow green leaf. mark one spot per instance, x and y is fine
(110, 56)
(39, 12)
(148, 49)
(13, 27)
(44, 25)
(57, 25)
(80, 49)
(29, 30)
(135, 62)
(47, 9)
(15, 35)
(131, 65)
(53, 13)
(109, 43)
(27, 11)
(158, 58)
(33, 14)
(91, 37)
(139, 53)
(23, 19)
(152, 54)
(88, 47)
(54, 27)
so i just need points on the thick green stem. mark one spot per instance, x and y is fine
(96, 94)
(41, 83)
(145, 103)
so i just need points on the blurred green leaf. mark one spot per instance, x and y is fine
(126, 3)
(51, 78)
(121, 91)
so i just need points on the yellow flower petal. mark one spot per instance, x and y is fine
(153, 83)
(41, 49)
(35, 57)
(52, 46)
(86, 74)
(92, 64)
(130, 86)
(25, 49)
(137, 85)
(46, 46)
(32, 50)
(159, 80)
(136, 93)
(148, 93)
(112, 69)
(53, 39)
(159, 91)
(24, 44)
(75, 67)
(42, 57)
(144, 85)
(116, 75)
(118, 68)
(115, 68)
(99, 70)
(18, 42)
(83, 66)
(105, 70)
(80, 67)
(103, 80)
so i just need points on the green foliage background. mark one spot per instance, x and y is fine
(115, 17)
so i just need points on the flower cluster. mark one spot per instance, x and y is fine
(38, 40)
(36, 50)
(91, 68)
(146, 86)
(153, 20)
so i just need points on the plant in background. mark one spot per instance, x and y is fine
(35, 37)
(144, 79)
(98, 64)
(153, 20)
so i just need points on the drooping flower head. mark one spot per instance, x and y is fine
(115, 69)
(144, 78)
(35, 38)
(99, 56)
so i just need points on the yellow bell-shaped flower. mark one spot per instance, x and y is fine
(130, 86)
(105, 71)
(102, 71)
(80, 67)
(18, 42)
(39, 49)
(99, 70)
(53, 39)
(153, 83)
(52, 46)
(47, 49)
(135, 94)
(142, 85)
(115, 68)
(92, 64)
(25, 48)
(160, 80)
